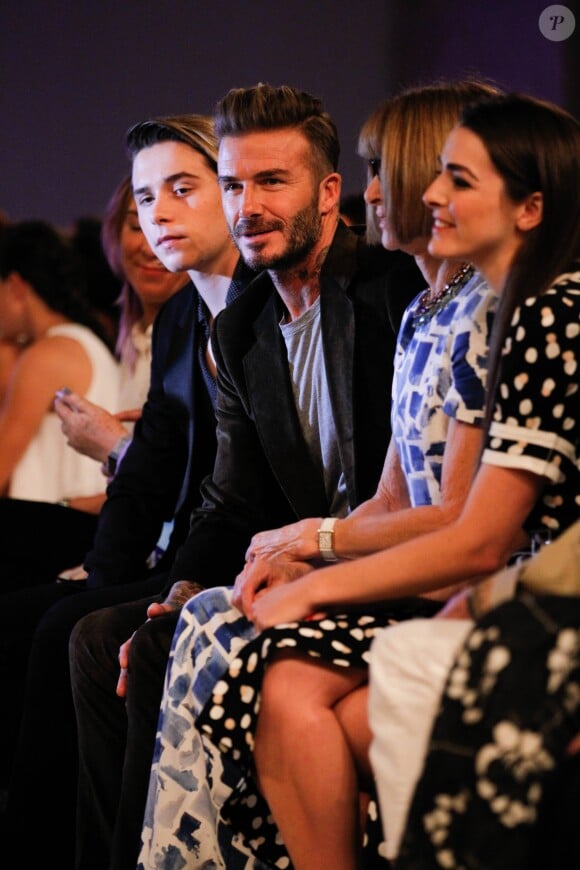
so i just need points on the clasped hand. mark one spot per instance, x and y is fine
(260, 575)
(276, 558)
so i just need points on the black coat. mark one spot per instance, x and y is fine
(172, 450)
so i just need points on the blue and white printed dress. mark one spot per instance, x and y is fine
(203, 808)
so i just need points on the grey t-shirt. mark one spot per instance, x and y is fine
(303, 339)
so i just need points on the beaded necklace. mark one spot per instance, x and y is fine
(430, 305)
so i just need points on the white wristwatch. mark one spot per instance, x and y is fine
(326, 540)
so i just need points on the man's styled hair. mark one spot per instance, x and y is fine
(197, 131)
(265, 107)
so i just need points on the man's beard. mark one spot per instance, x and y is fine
(301, 235)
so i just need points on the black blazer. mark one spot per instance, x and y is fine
(263, 476)
(160, 474)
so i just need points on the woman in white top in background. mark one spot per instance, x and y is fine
(64, 535)
(42, 309)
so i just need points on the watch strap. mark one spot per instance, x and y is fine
(115, 454)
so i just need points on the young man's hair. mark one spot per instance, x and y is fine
(265, 107)
(197, 131)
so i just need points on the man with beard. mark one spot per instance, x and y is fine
(304, 365)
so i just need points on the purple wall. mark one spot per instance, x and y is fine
(75, 76)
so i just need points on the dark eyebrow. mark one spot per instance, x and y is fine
(268, 173)
(259, 176)
(458, 167)
(170, 179)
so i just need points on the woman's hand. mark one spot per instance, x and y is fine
(262, 574)
(286, 603)
(295, 542)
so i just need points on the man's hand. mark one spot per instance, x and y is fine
(123, 668)
(88, 428)
(179, 593)
(295, 542)
(262, 574)
(73, 574)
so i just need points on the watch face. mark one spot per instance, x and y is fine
(325, 540)
(325, 545)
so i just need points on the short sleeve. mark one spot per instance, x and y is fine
(535, 423)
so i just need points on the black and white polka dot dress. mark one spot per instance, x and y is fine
(229, 718)
(537, 411)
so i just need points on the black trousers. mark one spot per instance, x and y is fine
(116, 737)
(38, 540)
(38, 728)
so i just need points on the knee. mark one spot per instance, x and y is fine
(277, 684)
(91, 640)
(83, 632)
(286, 704)
(151, 644)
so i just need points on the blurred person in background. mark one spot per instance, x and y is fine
(65, 531)
(146, 286)
(102, 282)
(42, 311)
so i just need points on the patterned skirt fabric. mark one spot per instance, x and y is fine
(509, 710)
(204, 809)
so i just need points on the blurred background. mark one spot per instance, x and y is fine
(75, 75)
